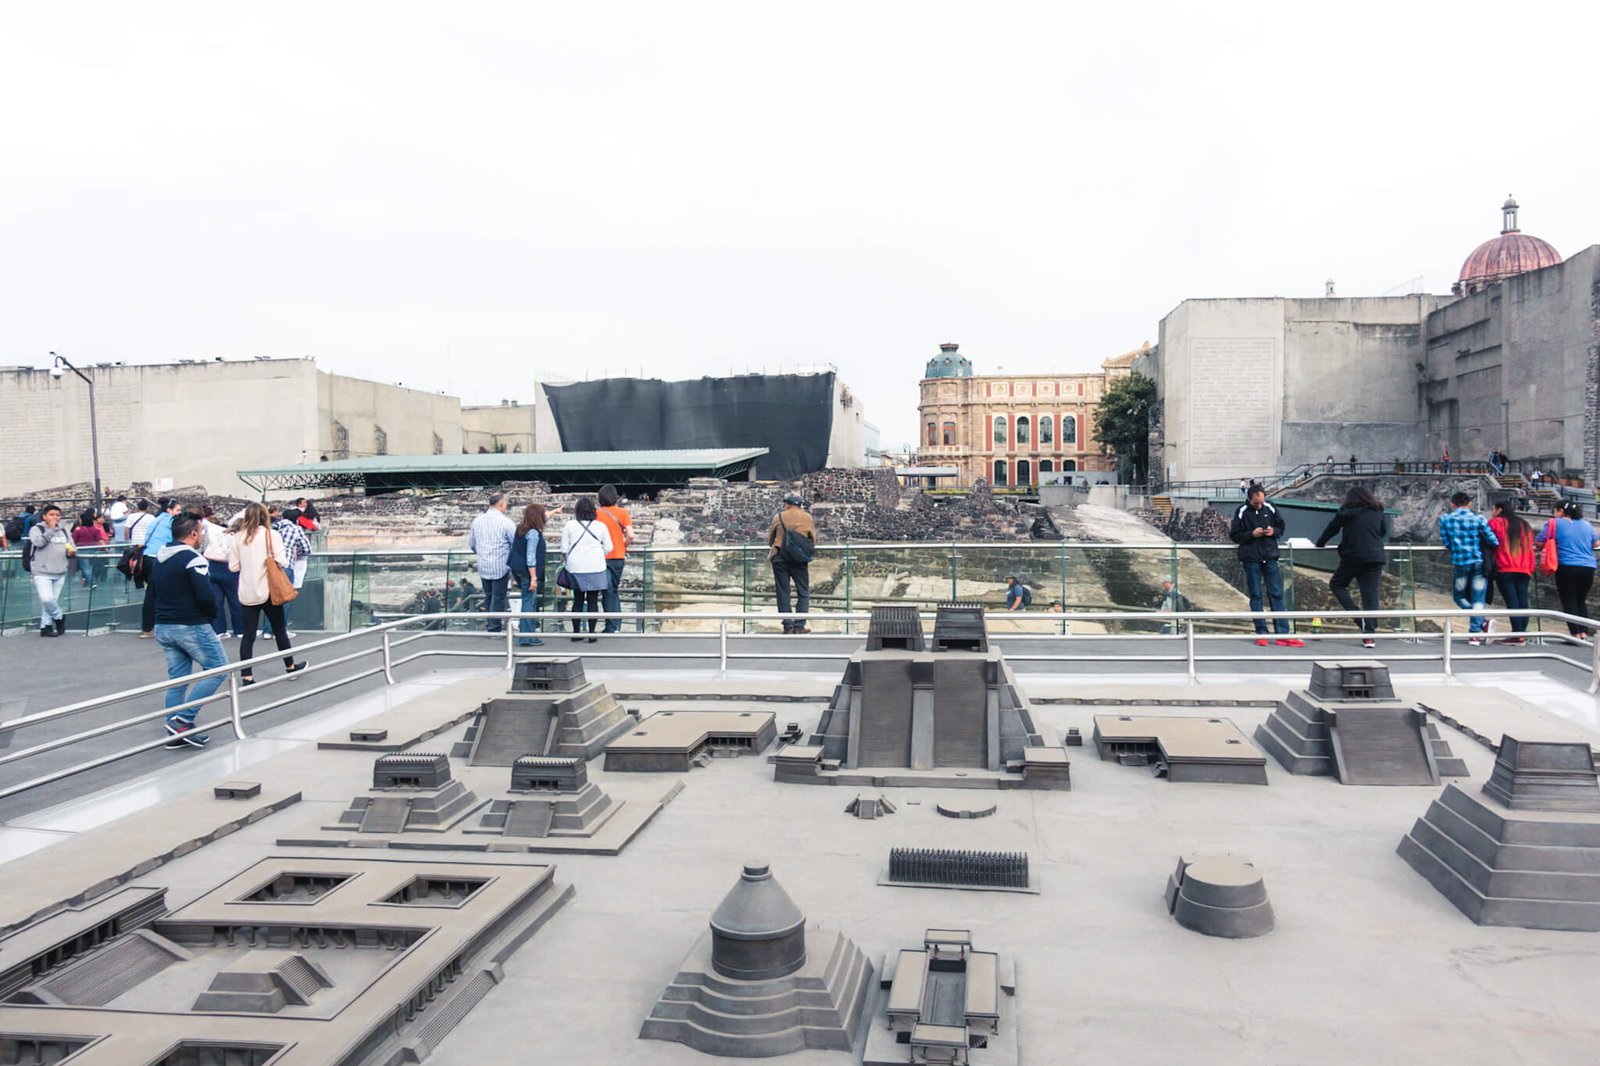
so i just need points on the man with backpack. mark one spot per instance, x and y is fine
(792, 540)
(1018, 598)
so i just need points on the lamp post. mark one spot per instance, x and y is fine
(94, 429)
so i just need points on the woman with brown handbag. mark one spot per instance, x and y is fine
(257, 556)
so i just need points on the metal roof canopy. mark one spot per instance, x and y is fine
(567, 470)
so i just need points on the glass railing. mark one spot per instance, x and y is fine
(350, 590)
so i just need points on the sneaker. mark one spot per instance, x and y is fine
(146, 634)
(1369, 643)
(801, 629)
(1262, 642)
(61, 626)
(530, 642)
(1474, 641)
(246, 680)
(182, 732)
(1290, 642)
(594, 640)
(47, 631)
(297, 668)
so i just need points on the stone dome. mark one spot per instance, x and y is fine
(757, 932)
(948, 364)
(1511, 253)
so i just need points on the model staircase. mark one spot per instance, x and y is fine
(1381, 746)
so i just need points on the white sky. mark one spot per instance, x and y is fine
(460, 196)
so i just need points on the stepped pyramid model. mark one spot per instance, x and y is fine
(758, 984)
(551, 796)
(1348, 723)
(411, 793)
(551, 710)
(1523, 851)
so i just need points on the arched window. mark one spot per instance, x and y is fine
(1000, 427)
(1047, 429)
(949, 433)
(1024, 474)
(1046, 466)
(932, 434)
(1022, 429)
(1069, 429)
(1000, 472)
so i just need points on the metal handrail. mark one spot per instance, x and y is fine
(384, 652)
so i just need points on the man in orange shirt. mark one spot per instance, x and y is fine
(616, 519)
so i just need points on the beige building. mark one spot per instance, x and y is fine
(1011, 428)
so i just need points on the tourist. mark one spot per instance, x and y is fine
(89, 533)
(1256, 528)
(620, 526)
(30, 517)
(1463, 530)
(1018, 598)
(139, 519)
(1514, 561)
(48, 568)
(1171, 601)
(490, 538)
(158, 536)
(1244, 486)
(118, 513)
(216, 544)
(255, 542)
(1534, 477)
(792, 540)
(585, 543)
(527, 567)
(1364, 529)
(184, 606)
(1444, 460)
(296, 546)
(1352, 463)
(308, 518)
(1575, 564)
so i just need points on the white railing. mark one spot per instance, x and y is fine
(389, 639)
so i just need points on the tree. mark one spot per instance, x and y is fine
(1121, 422)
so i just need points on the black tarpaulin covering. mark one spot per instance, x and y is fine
(791, 415)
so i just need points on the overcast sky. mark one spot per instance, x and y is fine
(463, 196)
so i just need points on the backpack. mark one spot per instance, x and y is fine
(14, 530)
(27, 554)
(518, 559)
(796, 548)
(1027, 596)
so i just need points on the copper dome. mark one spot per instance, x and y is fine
(1511, 253)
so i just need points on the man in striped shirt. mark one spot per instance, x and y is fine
(1463, 530)
(490, 537)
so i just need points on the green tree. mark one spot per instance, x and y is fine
(1121, 422)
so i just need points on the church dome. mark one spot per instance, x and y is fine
(948, 364)
(1511, 253)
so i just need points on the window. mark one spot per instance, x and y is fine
(1022, 429)
(949, 433)
(1000, 427)
(932, 438)
(1069, 429)
(1000, 472)
(1047, 429)
(1024, 476)
(1070, 464)
(1046, 466)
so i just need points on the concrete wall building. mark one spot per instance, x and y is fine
(1010, 428)
(1510, 360)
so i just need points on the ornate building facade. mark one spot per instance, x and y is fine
(1011, 429)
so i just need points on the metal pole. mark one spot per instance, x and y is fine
(1449, 664)
(94, 443)
(511, 644)
(1188, 646)
(388, 659)
(233, 705)
(1594, 666)
(722, 648)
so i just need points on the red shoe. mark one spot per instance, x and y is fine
(1290, 642)
(1263, 642)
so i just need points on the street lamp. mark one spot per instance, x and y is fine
(94, 429)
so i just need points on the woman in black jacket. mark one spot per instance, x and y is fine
(1361, 553)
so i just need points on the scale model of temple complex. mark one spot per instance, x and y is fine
(952, 716)
(946, 1003)
(552, 709)
(1349, 723)
(757, 983)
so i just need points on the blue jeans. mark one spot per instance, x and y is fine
(188, 648)
(1469, 590)
(1514, 590)
(494, 599)
(225, 588)
(611, 598)
(1257, 572)
(528, 604)
(48, 586)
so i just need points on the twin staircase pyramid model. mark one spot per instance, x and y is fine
(552, 710)
(1350, 725)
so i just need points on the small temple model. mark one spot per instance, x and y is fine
(552, 709)
(411, 793)
(1349, 723)
(756, 984)
(952, 717)
(1525, 849)
(944, 1005)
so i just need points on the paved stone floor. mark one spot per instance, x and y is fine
(1368, 962)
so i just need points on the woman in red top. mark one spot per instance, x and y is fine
(89, 533)
(1514, 560)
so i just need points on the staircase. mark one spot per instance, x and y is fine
(1162, 504)
(1381, 746)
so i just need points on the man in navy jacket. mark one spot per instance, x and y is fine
(1256, 528)
(184, 607)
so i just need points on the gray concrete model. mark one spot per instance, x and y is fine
(1219, 896)
(1348, 723)
(757, 984)
(944, 1005)
(1181, 748)
(552, 710)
